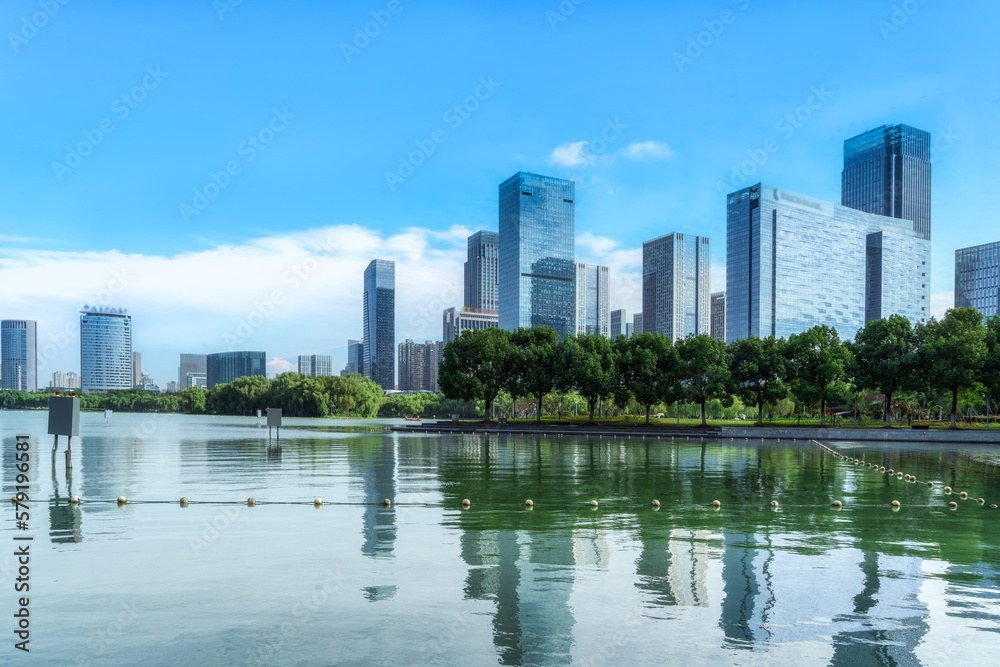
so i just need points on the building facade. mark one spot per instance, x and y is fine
(718, 331)
(418, 365)
(224, 367)
(62, 380)
(136, 368)
(629, 329)
(191, 363)
(456, 321)
(676, 285)
(793, 262)
(199, 380)
(355, 357)
(887, 171)
(977, 278)
(19, 355)
(315, 365)
(105, 350)
(379, 308)
(593, 300)
(537, 261)
(617, 320)
(636, 324)
(482, 271)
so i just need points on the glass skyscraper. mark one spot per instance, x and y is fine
(719, 316)
(224, 367)
(537, 260)
(617, 323)
(977, 278)
(105, 349)
(887, 171)
(482, 271)
(676, 286)
(355, 357)
(19, 355)
(593, 300)
(793, 261)
(379, 347)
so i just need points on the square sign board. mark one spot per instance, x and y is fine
(274, 416)
(64, 415)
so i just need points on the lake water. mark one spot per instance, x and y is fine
(426, 582)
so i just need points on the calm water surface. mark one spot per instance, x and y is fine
(425, 582)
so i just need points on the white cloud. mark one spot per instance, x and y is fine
(647, 151)
(624, 266)
(277, 366)
(571, 155)
(942, 302)
(298, 293)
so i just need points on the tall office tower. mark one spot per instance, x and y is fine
(617, 323)
(433, 358)
(412, 366)
(224, 367)
(355, 357)
(305, 367)
(887, 171)
(719, 316)
(380, 323)
(636, 324)
(537, 261)
(136, 369)
(456, 321)
(676, 296)
(629, 329)
(977, 278)
(321, 365)
(481, 271)
(62, 380)
(593, 300)
(794, 262)
(105, 349)
(191, 363)
(19, 355)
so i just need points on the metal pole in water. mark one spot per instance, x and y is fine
(69, 453)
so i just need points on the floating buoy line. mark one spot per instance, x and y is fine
(896, 474)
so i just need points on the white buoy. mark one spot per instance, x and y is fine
(466, 503)
(251, 502)
(529, 503)
(838, 504)
(75, 500)
(655, 503)
(716, 504)
(774, 503)
(593, 503)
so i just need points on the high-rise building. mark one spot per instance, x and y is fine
(199, 380)
(794, 262)
(482, 270)
(456, 321)
(617, 323)
(191, 363)
(977, 278)
(355, 357)
(719, 316)
(62, 380)
(418, 365)
(315, 365)
(105, 349)
(224, 367)
(676, 286)
(136, 369)
(172, 387)
(636, 324)
(537, 261)
(593, 300)
(380, 323)
(629, 329)
(19, 355)
(887, 171)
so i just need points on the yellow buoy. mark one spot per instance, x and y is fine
(952, 505)
(466, 502)
(655, 503)
(318, 502)
(838, 504)
(895, 503)
(184, 501)
(593, 503)
(122, 500)
(529, 503)
(963, 495)
(251, 502)
(774, 503)
(387, 502)
(947, 489)
(716, 504)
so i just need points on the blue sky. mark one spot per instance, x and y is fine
(309, 129)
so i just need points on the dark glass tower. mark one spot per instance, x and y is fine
(224, 367)
(379, 346)
(481, 270)
(537, 260)
(887, 171)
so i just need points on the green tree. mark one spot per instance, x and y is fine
(953, 352)
(354, 395)
(704, 371)
(885, 358)
(648, 370)
(990, 375)
(759, 366)
(587, 364)
(476, 365)
(193, 400)
(533, 365)
(820, 362)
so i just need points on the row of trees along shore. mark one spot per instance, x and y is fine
(955, 355)
(297, 396)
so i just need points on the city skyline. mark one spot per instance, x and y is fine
(245, 267)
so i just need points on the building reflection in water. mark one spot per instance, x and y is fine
(373, 462)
